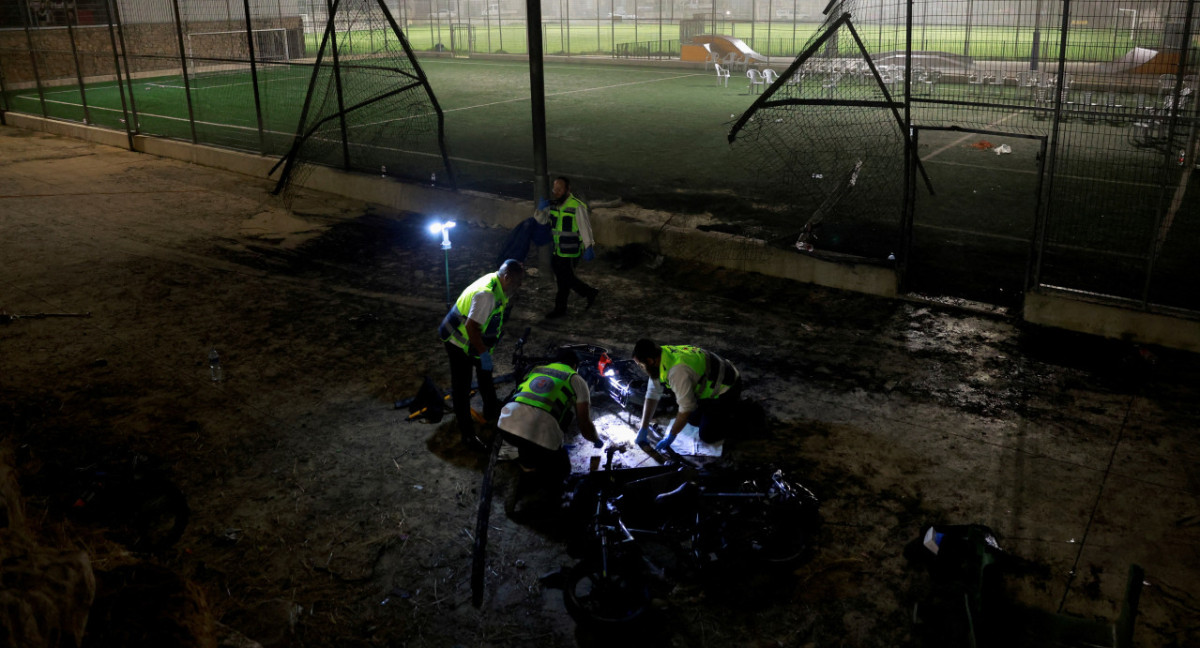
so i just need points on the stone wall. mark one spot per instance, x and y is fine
(151, 48)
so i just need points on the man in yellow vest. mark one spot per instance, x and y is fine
(535, 421)
(572, 230)
(707, 389)
(469, 332)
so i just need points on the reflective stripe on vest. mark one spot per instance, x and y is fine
(549, 388)
(454, 325)
(712, 370)
(567, 242)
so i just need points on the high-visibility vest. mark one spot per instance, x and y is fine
(549, 388)
(567, 242)
(454, 325)
(714, 372)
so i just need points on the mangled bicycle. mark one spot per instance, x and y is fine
(724, 529)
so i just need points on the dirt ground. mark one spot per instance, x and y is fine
(321, 517)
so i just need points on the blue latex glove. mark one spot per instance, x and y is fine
(589, 254)
(665, 444)
(543, 203)
(643, 436)
(485, 360)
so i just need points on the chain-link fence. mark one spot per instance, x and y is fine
(880, 131)
(1102, 93)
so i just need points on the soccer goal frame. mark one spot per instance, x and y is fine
(217, 51)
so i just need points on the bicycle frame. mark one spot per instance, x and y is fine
(717, 525)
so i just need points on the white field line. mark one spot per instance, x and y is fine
(581, 90)
(151, 115)
(1034, 173)
(228, 85)
(521, 168)
(484, 105)
(552, 94)
(964, 138)
(1023, 239)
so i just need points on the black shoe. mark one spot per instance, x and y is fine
(555, 314)
(592, 297)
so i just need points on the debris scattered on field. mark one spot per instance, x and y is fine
(1002, 149)
(982, 145)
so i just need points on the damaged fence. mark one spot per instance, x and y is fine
(862, 129)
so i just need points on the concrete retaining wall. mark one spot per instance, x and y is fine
(672, 235)
(1078, 313)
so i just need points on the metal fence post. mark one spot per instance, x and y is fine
(116, 35)
(262, 143)
(187, 87)
(537, 96)
(337, 81)
(37, 77)
(87, 117)
(1052, 157)
(1163, 213)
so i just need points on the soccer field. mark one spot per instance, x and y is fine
(658, 136)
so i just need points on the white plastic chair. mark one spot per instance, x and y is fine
(722, 74)
(1027, 80)
(930, 79)
(975, 81)
(830, 83)
(734, 61)
(769, 76)
(756, 80)
(996, 81)
(1166, 85)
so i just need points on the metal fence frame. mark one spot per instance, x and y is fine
(64, 51)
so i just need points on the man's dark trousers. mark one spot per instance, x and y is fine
(564, 274)
(461, 368)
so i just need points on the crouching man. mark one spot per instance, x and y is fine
(535, 421)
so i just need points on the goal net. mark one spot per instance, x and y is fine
(368, 106)
(828, 141)
(221, 51)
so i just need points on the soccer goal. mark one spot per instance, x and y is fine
(223, 51)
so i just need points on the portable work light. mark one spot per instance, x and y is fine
(444, 228)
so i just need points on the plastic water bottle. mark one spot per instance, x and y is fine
(214, 365)
(383, 171)
(433, 178)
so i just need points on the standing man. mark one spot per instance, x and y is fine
(568, 220)
(469, 332)
(537, 418)
(707, 389)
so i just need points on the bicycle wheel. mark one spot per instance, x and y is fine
(783, 532)
(595, 598)
(779, 543)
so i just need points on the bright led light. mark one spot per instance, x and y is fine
(444, 228)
